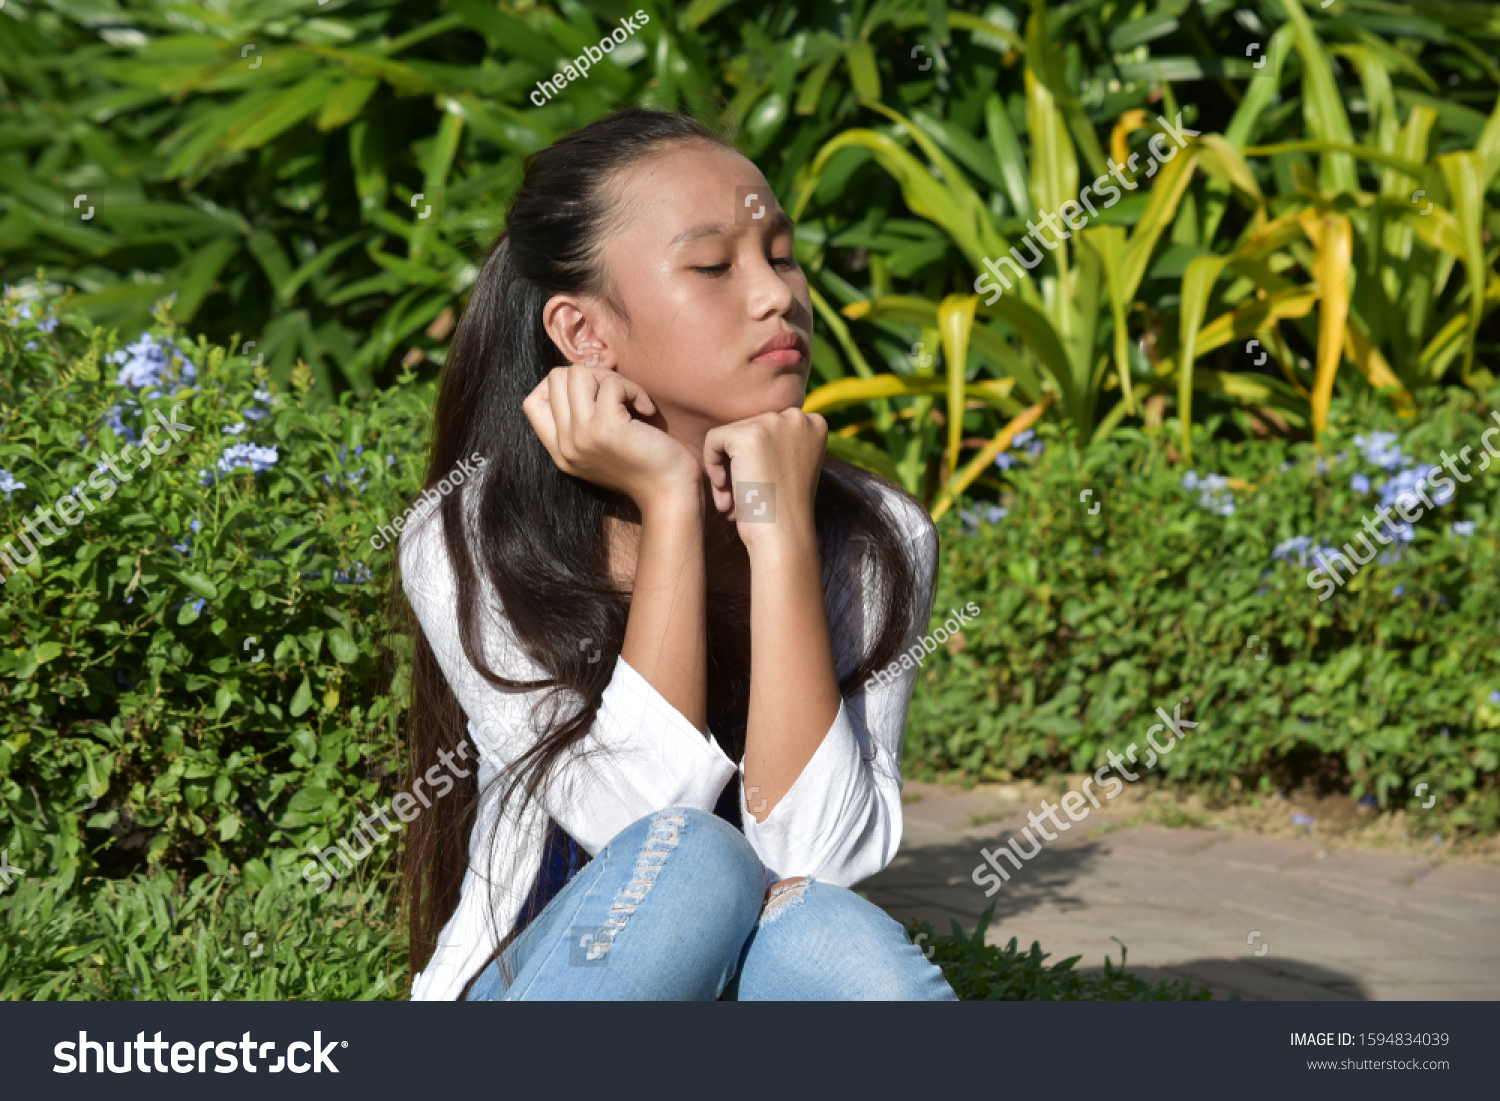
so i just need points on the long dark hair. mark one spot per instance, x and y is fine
(540, 535)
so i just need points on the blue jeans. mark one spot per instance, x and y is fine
(673, 909)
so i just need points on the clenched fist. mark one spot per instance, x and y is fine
(583, 417)
(784, 450)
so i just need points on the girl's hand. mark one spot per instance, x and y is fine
(583, 417)
(783, 453)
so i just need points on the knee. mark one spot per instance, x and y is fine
(729, 868)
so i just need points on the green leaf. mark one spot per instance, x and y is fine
(342, 647)
(862, 70)
(301, 699)
(200, 585)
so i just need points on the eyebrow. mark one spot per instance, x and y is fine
(779, 221)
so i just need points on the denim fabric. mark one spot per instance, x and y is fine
(673, 909)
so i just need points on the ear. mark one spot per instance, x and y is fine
(574, 324)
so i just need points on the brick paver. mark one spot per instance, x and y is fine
(1264, 917)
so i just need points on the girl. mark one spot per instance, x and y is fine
(649, 620)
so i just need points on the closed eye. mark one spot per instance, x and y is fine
(715, 270)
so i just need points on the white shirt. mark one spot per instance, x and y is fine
(840, 821)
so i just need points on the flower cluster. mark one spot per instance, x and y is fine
(240, 456)
(1380, 449)
(253, 413)
(355, 480)
(1034, 447)
(359, 577)
(147, 364)
(1214, 493)
(1302, 546)
(9, 485)
(993, 514)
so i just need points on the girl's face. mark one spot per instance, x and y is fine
(707, 285)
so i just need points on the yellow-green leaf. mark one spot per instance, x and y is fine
(1197, 286)
(956, 319)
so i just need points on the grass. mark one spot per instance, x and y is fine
(260, 937)
(980, 972)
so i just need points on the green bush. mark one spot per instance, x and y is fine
(1089, 622)
(183, 673)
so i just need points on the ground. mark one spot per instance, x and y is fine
(1242, 899)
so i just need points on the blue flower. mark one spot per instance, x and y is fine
(261, 395)
(993, 515)
(9, 485)
(1214, 492)
(1495, 696)
(240, 455)
(47, 324)
(1380, 450)
(1398, 590)
(361, 575)
(1003, 460)
(146, 364)
(1297, 543)
(31, 345)
(235, 429)
(1463, 528)
(117, 424)
(390, 460)
(198, 604)
(1359, 483)
(1410, 481)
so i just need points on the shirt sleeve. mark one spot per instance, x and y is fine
(841, 821)
(640, 755)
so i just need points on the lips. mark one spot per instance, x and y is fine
(783, 349)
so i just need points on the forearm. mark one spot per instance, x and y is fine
(666, 635)
(794, 692)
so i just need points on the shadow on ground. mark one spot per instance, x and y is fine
(933, 881)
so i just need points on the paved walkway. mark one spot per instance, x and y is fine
(1265, 917)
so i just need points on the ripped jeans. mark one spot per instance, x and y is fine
(674, 909)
